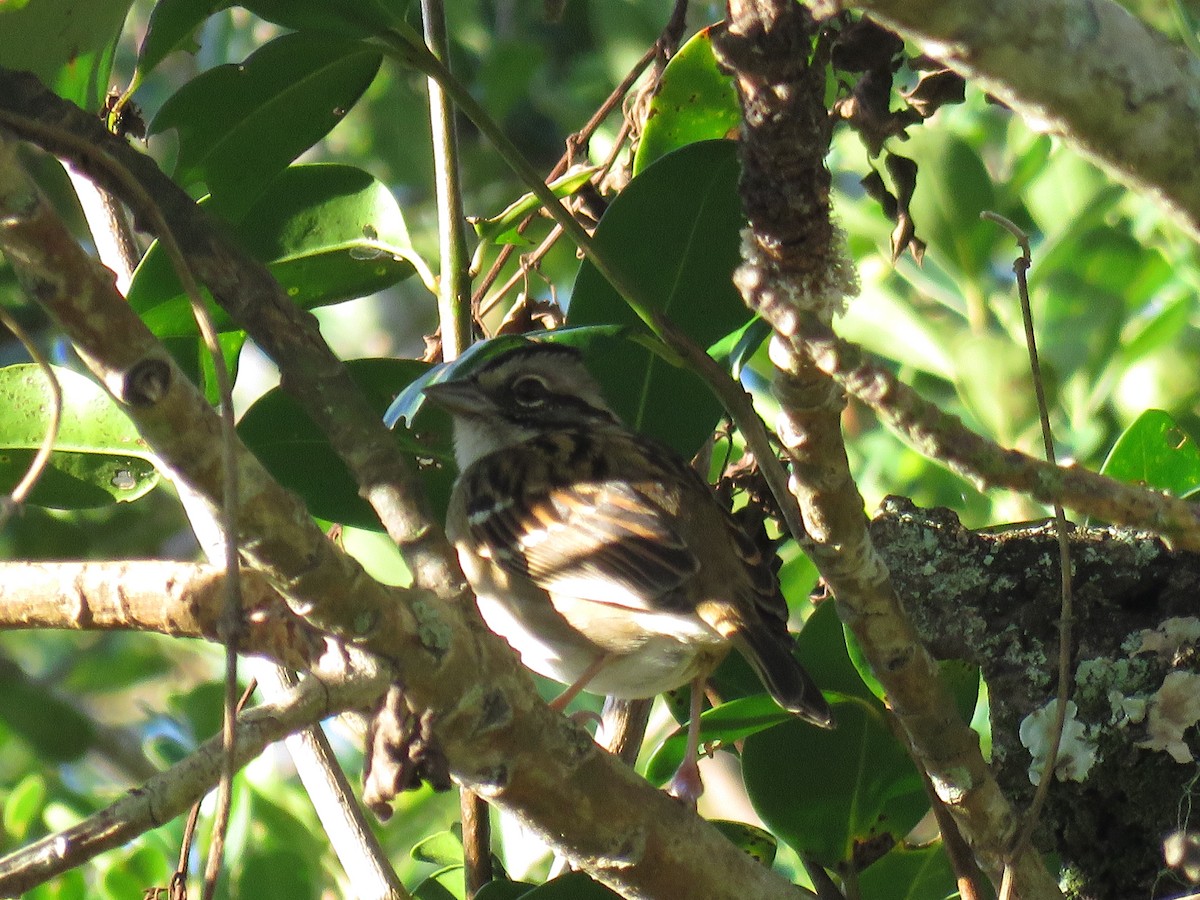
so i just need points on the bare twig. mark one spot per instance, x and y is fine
(1063, 692)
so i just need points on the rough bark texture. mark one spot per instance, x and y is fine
(992, 599)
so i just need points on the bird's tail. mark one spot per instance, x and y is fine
(781, 673)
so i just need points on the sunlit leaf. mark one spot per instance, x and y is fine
(1156, 452)
(99, 457)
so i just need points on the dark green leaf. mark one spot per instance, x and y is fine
(284, 439)
(724, 724)
(444, 884)
(953, 188)
(52, 728)
(695, 101)
(347, 18)
(239, 125)
(99, 458)
(280, 873)
(675, 232)
(823, 792)
(1154, 451)
(442, 849)
(504, 890)
(572, 886)
(750, 839)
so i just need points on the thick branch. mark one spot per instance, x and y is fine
(177, 599)
(1086, 70)
(794, 260)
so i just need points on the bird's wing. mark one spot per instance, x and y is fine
(596, 537)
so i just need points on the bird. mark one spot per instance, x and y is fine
(603, 558)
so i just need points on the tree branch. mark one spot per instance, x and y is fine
(175, 599)
(170, 793)
(1086, 70)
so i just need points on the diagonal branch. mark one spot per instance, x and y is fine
(170, 793)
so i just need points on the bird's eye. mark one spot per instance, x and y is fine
(530, 390)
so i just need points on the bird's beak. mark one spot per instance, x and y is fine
(459, 397)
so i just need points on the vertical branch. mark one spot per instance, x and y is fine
(454, 287)
(796, 267)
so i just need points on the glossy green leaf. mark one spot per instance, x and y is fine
(239, 125)
(722, 725)
(68, 44)
(286, 441)
(327, 233)
(695, 101)
(1156, 452)
(444, 884)
(346, 18)
(823, 792)
(444, 848)
(910, 874)
(99, 458)
(750, 839)
(674, 232)
(171, 27)
(502, 227)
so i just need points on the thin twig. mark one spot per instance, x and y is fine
(1020, 268)
(454, 287)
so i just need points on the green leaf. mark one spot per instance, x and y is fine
(904, 874)
(68, 44)
(502, 227)
(504, 890)
(171, 26)
(99, 457)
(54, 730)
(953, 188)
(328, 233)
(442, 849)
(675, 233)
(1154, 451)
(347, 18)
(695, 101)
(239, 125)
(750, 839)
(823, 792)
(23, 806)
(723, 724)
(298, 455)
(444, 884)
(572, 886)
